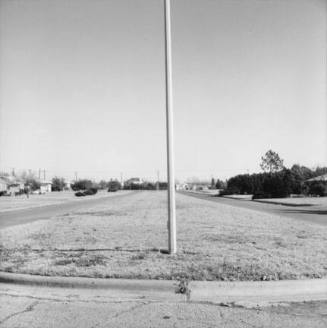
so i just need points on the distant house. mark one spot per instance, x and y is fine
(11, 185)
(4, 181)
(14, 188)
(182, 186)
(199, 186)
(45, 186)
(133, 181)
(317, 186)
(68, 185)
(322, 178)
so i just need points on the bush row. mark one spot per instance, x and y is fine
(146, 186)
(274, 185)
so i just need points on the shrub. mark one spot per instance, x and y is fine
(32, 183)
(317, 188)
(261, 195)
(163, 185)
(266, 185)
(79, 194)
(58, 184)
(82, 185)
(220, 184)
(91, 191)
(94, 190)
(113, 186)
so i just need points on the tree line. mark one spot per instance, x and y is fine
(277, 181)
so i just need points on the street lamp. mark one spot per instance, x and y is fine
(172, 247)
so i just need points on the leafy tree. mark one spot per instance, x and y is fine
(114, 185)
(83, 184)
(220, 184)
(58, 184)
(103, 184)
(319, 171)
(32, 183)
(213, 183)
(30, 180)
(271, 162)
(318, 188)
(302, 172)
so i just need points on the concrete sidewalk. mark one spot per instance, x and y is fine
(41, 306)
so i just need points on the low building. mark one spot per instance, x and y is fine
(134, 181)
(182, 186)
(316, 186)
(322, 178)
(199, 186)
(14, 188)
(45, 186)
(10, 185)
(4, 181)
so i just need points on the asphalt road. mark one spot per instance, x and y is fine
(313, 214)
(22, 216)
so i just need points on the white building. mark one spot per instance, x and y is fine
(3, 184)
(182, 186)
(45, 186)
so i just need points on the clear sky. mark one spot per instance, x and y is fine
(82, 85)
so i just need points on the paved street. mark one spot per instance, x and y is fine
(21, 216)
(34, 307)
(314, 214)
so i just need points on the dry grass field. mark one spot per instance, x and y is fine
(123, 238)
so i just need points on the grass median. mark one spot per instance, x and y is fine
(126, 238)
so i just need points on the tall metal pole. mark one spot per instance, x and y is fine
(172, 247)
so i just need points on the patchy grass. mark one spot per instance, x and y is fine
(127, 238)
(81, 259)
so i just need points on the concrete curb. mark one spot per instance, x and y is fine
(84, 282)
(242, 293)
(249, 293)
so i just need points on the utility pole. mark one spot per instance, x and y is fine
(172, 247)
(75, 176)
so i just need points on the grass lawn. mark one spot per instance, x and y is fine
(122, 238)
